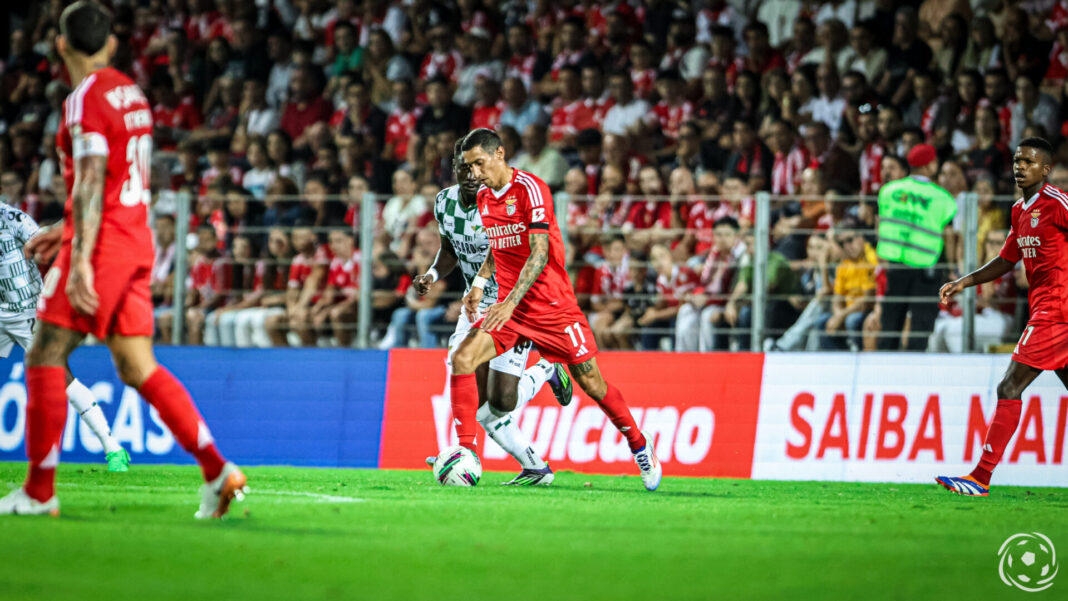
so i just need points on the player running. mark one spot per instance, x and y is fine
(1037, 235)
(535, 300)
(20, 287)
(99, 282)
(506, 388)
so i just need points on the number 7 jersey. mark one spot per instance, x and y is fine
(108, 115)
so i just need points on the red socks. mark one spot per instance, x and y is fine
(164, 392)
(617, 411)
(46, 415)
(463, 392)
(1006, 418)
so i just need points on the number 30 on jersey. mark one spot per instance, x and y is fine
(139, 156)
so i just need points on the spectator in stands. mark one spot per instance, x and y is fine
(255, 115)
(443, 60)
(833, 38)
(683, 54)
(261, 173)
(173, 118)
(161, 282)
(815, 286)
(279, 151)
(839, 169)
(701, 311)
(208, 286)
(525, 63)
(829, 106)
(672, 110)
(907, 55)
(750, 160)
(400, 125)
(335, 310)
(306, 105)
(442, 114)
(488, 104)
(520, 110)
(348, 54)
(610, 321)
(479, 63)
(279, 47)
(863, 55)
(383, 66)
(854, 289)
(781, 308)
(307, 279)
(403, 211)
(219, 324)
(626, 116)
(265, 300)
(673, 282)
(541, 159)
(1032, 108)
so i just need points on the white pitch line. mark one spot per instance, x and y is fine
(319, 497)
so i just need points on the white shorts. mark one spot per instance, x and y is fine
(16, 331)
(513, 362)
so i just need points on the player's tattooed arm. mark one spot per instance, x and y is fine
(87, 203)
(489, 266)
(539, 257)
(583, 368)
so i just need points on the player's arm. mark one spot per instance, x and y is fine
(87, 204)
(474, 295)
(444, 263)
(997, 267)
(539, 257)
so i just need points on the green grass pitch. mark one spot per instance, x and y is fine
(364, 534)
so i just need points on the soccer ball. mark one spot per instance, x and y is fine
(457, 466)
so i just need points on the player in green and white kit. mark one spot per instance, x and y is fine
(20, 285)
(505, 386)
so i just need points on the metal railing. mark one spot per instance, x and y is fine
(759, 297)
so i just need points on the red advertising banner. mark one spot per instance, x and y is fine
(701, 410)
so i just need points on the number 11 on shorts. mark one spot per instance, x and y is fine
(575, 332)
(1023, 339)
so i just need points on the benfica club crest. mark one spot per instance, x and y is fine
(1034, 218)
(509, 205)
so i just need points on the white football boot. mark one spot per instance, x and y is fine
(17, 502)
(215, 496)
(649, 464)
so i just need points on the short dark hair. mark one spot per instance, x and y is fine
(1040, 144)
(86, 25)
(901, 162)
(588, 138)
(486, 138)
(457, 148)
(728, 221)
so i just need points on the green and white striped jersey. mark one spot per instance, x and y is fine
(463, 228)
(20, 282)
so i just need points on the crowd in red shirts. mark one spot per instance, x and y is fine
(654, 120)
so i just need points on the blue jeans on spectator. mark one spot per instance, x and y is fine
(847, 338)
(652, 333)
(425, 319)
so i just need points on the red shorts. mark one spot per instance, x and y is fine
(563, 336)
(125, 306)
(1043, 345)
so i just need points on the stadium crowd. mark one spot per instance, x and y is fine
(656, 122)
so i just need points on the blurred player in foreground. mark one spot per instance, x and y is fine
(20, 287)
(99, 283)
(1038, 237)
(536, 302)
(504, 388)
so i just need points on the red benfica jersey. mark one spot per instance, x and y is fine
(1039, 236)
(108, 115)
(523, 205)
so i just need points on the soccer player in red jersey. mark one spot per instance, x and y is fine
(1038, 237)
(536, 302)
(99, 283)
